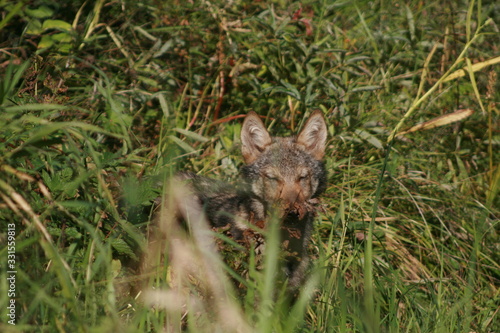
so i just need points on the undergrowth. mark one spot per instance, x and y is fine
(101, 102)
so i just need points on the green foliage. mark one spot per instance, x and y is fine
(100, 102)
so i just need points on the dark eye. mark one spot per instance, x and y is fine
(303, 177)
(271, 177)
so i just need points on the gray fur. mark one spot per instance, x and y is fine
(284, 173)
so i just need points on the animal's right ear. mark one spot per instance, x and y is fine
(313, 135)
(254, 137)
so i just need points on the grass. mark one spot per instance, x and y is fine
(102, 101)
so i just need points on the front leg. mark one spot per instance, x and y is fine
(296, 233)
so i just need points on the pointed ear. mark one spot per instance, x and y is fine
(313, 135)
(254, 137)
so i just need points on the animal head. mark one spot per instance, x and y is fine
(285, 170)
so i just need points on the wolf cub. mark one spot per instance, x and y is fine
(282, 176)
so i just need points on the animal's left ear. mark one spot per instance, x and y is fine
(313, 135)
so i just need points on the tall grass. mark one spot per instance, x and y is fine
(116, 97)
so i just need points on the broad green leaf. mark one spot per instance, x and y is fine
(45, 42)
(148, 81)
(122, 247)
(187, 148)
(34, 27)
(191, 135)
(369, 138)
(62, 37)
(56, 24)
(116, 267)
(40, 12)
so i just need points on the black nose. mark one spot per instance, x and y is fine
(291, 218)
